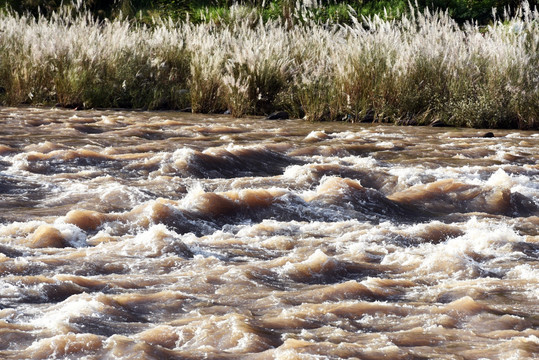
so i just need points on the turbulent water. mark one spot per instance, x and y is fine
(166, 235)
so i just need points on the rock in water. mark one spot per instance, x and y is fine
(438, 123)
(278, 115)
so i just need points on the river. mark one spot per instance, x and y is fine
(166, 235)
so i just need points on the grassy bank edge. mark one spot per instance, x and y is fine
(424, 68)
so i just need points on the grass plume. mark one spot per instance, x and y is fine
(420, 68)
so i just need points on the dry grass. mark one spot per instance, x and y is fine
(416, 70)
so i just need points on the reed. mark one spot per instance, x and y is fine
(417, 69)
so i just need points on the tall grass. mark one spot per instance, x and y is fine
(418, 69)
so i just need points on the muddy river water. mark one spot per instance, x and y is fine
(164, 235)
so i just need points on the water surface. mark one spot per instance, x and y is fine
(177, 236)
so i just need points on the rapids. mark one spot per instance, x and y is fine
(164, 235)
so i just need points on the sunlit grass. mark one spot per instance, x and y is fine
(421, 68)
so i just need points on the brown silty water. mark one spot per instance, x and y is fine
(163, 235)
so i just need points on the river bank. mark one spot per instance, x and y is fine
(420, 69)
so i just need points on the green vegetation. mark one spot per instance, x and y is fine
(217, 10)
(419, 68)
